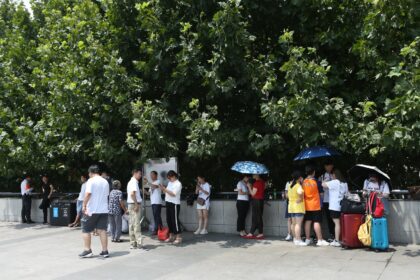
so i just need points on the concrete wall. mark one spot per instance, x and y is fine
(404, 219)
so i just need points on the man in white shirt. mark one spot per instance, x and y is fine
(26, 191)
(134, 210)
(155, 200)
(95, 212)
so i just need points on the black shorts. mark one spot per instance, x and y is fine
(335, 214)
(315, 216)
(96, 221)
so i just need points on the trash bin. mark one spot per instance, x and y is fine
(62, 212)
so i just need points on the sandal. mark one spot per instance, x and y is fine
(71, 225)
(259, 237)
(169, 240)
(177, 241)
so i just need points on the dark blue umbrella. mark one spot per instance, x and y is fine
(250, 167)
(316, 152)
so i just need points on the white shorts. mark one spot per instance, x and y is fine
(206, 206)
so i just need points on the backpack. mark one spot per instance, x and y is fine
(364, 231)
(376, 207)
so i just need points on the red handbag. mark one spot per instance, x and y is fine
(376, 206)
(163, 233)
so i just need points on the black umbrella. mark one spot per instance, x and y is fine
(360, 172)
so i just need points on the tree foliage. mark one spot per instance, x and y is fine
(210, 82)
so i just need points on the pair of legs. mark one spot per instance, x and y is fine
(89, 224)
(157, 209)
(115, 223)
(172, 218)
(242, 206)
(257, 218)
(316, 218)
(26, 209)
(296, 227)
(45, 213)
(203, 219)
(134, 227)
(330, 222)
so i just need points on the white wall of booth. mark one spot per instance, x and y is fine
(403, 221)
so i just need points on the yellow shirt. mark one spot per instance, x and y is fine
(294, 195)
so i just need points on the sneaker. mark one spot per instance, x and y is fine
(288, 238)
(335, 243)
(308, 242)
(198, 231)
(133, 247)
(86, 254)
(104, 254)
(322, 243)
(329, 240)
(204, 231)
(301, 243)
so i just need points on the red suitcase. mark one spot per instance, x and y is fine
(350, 224)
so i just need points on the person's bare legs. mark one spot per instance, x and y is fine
(86, 241)
(200, 220)
(104, 239)
(317, 229)
(205, 219)
(289, 227)
(308, 229)
(298, 228)
(337, 229)
(292, 227)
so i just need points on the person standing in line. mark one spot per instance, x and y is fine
(108, 178)
(326, 177)
(173, 206)
(242, 204)
(257, 191)
(134, 201)
(312, 207)
(116, 206)
(79, 201)
(287, 215)
(203, 190)
(296, 207)
(26, 191)
(155, 200)
(95, 212)
(374, 184)
(337, 188)
(47, 190)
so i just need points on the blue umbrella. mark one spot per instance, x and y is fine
(250, 167)
(316, 152)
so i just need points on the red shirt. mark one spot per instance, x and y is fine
(260, 186)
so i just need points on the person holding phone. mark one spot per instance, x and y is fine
(173, 206)
(155, 199)
(257, 191)
(242, 204)
(47, 191)
(203, 204)
(134, 210)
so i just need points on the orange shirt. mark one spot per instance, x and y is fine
(312, 200)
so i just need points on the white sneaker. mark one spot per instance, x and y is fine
(322, 243)
(198, 231)
(204, 231)
(288, 238)
(308, 242)
(301, 243)
(335, 243)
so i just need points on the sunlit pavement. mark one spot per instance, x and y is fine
(45, 252)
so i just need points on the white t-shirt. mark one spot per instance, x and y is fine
(326, 177)
(337, 190)
(98, 187)
(82, 192)
(133, 186)
(156, 194)
(242, 186)
(370, 186)
(23, 189)
(207, 188)
(174, 187)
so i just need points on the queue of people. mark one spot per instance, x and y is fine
(100, 205)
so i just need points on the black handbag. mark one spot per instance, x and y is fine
(352, 207)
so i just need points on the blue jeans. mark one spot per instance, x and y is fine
(157, 208)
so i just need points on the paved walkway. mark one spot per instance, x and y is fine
(43, 252)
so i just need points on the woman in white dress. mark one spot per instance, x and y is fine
(203, 190)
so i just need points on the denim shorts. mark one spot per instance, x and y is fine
(296, 215)
(79, 206)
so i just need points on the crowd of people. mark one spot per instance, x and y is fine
(101, 207)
